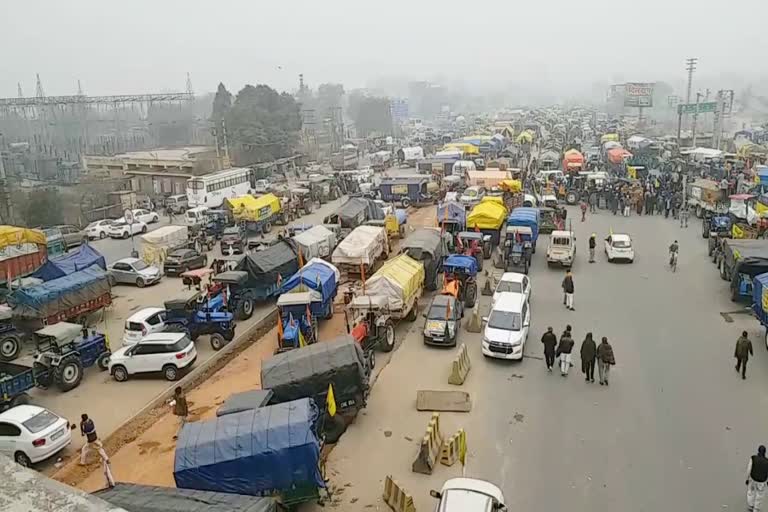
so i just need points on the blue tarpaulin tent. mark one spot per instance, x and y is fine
(528, 217)
(251, 452)
(452, 211)
(59, 294)
(80, 259)
(458, 262)
(316, 275)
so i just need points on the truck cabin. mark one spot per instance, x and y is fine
(518, 234)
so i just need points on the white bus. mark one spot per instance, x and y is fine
(211, 189)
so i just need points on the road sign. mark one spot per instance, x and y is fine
(690, 108)
(128, 216)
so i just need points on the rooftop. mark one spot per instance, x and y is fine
(185, 153)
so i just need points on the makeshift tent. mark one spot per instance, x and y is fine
(361, 246)
(486, 215)
(12, 235)
(617, 155)
(398, 280)
(156, 244)
(60, 294)
(316, 242)
(358, 210)
(451, 211)
(251, 208)
(279, 258)
(488, 178)
(149, 498)
(317, 276)
(421, 240)
(79, 259)
(251, 452)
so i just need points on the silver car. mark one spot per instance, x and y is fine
(134, 271)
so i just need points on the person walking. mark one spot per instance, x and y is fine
(605, 359)
(757, 475)
(180, 409)
(592, 201)
(88, 430)
(627, 205)
(588, 357)
(684, 216)
(564, 349)
(583, 206)
(742, 353)
(550, 341)
(592, 245)
(568, 289)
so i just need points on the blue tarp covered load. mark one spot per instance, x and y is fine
(318, 276)
(85, 256)
(462, 263)
(251, 452)
(528, 217)
(760, 297)
(452, 211)
(59, 294)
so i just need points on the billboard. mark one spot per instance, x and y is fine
(638, 94)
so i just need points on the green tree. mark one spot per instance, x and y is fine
(372, 115)
(262, 125)
(222, 102)
(42, 208)
(329, 96)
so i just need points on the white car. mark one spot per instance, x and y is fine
(98, 229)
(29, 434)
(145, 216)
(464, 494)
(472, 196)
(530, 201)
(506, 327)
(619, 247)
(512, 282)
(143, 322)
(562, 249)
(168, 353)
(121, 229)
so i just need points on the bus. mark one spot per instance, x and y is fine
(211, 189)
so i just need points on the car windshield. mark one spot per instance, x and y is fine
(561, 241)
(439, 312)
(119, 224)
(471, 193)
(622, 244)
(510, 286)
(232, 231)
(505, 320)
(139, 265)
(40, 421)
(178, 254)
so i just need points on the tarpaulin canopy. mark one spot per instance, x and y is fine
(488, 178)
(428, 240)
(278, 258)
(361, 246)
(451, 211)
(79, 259)
(617, 155)
(610, 137)
(253, 209)
(611, 144)
(486, 215)
(512, 186)
(307, 372)
(760, 296)
(317, 276)
(528, 217)
(398, 280)
(316, 242)
(465, 147)
(251, 452)
(59, 294)
(149, 498)
(525, 136)
(456, 262)
(358, 210)
(156, 244)
(12, 235)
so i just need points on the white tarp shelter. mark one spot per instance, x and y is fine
(316, 242)
(361, 247)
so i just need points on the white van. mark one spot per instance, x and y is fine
(195, 216)
(506, 327)
(177, 204)
(562, 249)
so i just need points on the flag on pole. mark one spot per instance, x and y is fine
(463, 447)
(331, 401)
(301, 258)
(280, 331)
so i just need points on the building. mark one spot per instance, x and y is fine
(157, 172)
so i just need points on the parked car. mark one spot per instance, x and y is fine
(73, 236)
(146, 216)
(233, 240)
(181, 260)
(513, 282)
(143, 322)
(619, 247)
(30, 434)
(134, 271)
(167, 353)
(121, 229)
(472, 196)
(506, 327)
(462, 494)
(98, 229)
(443, 319)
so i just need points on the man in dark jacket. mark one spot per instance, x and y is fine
(564, 349)
(550, 341)
(757, 475)
(588, 356)
(592, 245)
(605, 360)
(742, 353)
(568, 289)
(92, 442)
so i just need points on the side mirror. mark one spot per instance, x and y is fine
(435, 494)
(499, 506)
(485, 319)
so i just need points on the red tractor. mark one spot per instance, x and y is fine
(371, 325)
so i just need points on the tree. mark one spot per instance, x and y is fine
(262, 125)
(42, 208)
(329, 96)
(222, 102)
(371, 114)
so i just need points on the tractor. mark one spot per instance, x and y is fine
(299, 326)
(372, 325)
(471, 243)
(461, 272)
(200, 315)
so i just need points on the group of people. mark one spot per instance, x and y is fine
(591, 354)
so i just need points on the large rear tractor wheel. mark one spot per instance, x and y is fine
(470, 296)
(218, 341)
(387, 342)
(68, 374)
(10, 346)
(245, 309)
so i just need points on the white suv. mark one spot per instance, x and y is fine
(29, 434)
(141, 323)
(506, 328)
(461, 494)
(168, 353)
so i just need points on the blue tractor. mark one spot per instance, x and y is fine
(461, 278)
(200, 315)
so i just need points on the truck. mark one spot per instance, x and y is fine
(257, 214)
(22, 252)
(527, 217)
(381, 160)
(562, 249)
(354, 213)
(705, 198)
(345, 159)
(760, 301)
(742, 260)
(361, 250)
(430, 247)
(401, 281)
(156, 245)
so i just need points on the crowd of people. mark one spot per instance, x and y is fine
(591, 354)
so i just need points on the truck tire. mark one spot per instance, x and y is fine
(734, 294)
(43, 375)
(387, 341)
(329, 314)
(10, 346)
(414, 312)
(479, 259)
(487, 250)
(570, 198)
(245, 309)
(68, 374)
(267, 227)
(721, 268)
(766, 339)
(704, 229)
(406, 202)
(334, 428)
(21, 399)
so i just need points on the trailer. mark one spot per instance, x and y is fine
(705, 198)
(401, 281)
(22, 252)
(740, 262)
(361, 250)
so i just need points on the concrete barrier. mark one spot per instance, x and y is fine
(474, 324)
(396, 497)
(429, 447)
(460, 366)
(452, 447)
(487, 286)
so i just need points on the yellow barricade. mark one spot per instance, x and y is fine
(396, 497)
(454, 448)
(429, 448)
(460, 366)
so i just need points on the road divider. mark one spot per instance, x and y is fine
(460, 366)
(487, 286)
(429, 447)
(453, 448)
(474, 324)
(396, 497)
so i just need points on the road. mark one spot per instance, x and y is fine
(672, 432)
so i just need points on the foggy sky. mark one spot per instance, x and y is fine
(136, 46)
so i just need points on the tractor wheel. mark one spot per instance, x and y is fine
(10, 346)
(68, 374)
(267, 227)
(487, 250)
(371, 360)
(333, 429)
(413, 314)
(387, 341)
(330, 311)
(43, 375)
(21, 399)
(479, 259)
(218, 341)
(245, 309)
(406, 202)
(103, 361)
(315, 330)
(470, 295)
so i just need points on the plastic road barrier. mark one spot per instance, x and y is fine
(460, 366)
(396, 497)
(429, 448)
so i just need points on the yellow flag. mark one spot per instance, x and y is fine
(302, 342)
(463, 447)
(331, 401)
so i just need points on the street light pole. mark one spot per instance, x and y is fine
(695, 117)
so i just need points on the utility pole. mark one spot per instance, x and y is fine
(695, 117)
(690, 66)
(226, 144)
